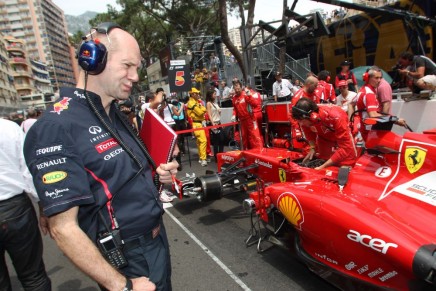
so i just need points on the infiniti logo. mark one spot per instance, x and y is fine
(94, 129)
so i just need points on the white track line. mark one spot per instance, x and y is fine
(209, 253)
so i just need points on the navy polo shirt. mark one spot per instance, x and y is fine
(75, 161)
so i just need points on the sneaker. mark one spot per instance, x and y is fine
(164, 197)
(203, 163)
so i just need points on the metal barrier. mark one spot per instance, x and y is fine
(266, 58)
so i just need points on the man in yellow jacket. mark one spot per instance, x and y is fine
(196, 112)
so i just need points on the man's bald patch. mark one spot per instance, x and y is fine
(310, 80)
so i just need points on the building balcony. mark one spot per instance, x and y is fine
(22, 87)
(42, 80)
(24, 74)
(18, 60)
(39, 70)
(15, 48)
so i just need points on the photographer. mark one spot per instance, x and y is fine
(126, 107)
(165, 110)
(180, 120)
(420, 69)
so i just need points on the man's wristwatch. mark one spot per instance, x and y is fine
(129, 285)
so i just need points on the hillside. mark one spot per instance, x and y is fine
(81, 22)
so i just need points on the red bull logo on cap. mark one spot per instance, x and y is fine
(60, 106)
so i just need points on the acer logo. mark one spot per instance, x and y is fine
(376, 244)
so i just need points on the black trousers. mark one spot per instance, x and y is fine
(20, 237)
(284, 98)
(149, 257)
(181, 125)
(217, 140)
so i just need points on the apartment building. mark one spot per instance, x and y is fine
(42, 25)
(20, 65)
(8, 93)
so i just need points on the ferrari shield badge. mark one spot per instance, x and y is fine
(282, 175)
(414, 158)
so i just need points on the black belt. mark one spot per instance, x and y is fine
(197, 121)
(135, 242)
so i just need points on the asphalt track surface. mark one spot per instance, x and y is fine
(207, 250)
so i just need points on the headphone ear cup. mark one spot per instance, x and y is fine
(328, 79)
(92, 57)
(365, 77)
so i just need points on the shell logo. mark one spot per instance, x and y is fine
(290, 207)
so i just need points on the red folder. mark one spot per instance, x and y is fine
(159, 138)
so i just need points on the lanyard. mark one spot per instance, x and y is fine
(109, 196)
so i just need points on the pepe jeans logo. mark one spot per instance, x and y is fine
(54, 177)
(94, 129)
(56, 193)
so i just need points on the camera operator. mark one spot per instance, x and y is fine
(420, 69)
(180, 120)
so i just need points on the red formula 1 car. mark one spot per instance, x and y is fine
(367, 227)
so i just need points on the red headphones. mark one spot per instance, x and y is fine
(327, 79)
(365, 76)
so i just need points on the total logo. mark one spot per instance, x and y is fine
(106, 145)
(376, 244)
(95, 129)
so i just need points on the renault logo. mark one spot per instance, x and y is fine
(94, 129)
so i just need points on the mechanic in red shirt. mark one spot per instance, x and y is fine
(328, 92)
(309, 90)
(367, 102)
(327, 127)
(257, 106)
(243, 104)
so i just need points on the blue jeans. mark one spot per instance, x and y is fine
(150, 258)
(20, 237)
